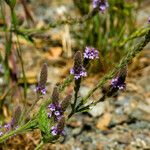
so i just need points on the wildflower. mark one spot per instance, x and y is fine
(43, 78)
(55, 111)
(101, 4)
(52, 107)
(42, 90)
(91, 53)
(59, 128)
(119, 81)
(7, 127)
(54, 130)
(78, 70)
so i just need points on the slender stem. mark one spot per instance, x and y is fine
(91, 104)
(23, 128)
(66, 83)
(8, 44)
(76, 89)
(138, 33)
(32, 106)
(125, 60)
(39, 146)
(19, 52)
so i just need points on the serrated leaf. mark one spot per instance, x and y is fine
(45, 125)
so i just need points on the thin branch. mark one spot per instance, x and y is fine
(125, 60)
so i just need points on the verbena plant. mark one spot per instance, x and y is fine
(107, 30)
(51, 116)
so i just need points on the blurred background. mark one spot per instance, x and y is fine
(121, 122)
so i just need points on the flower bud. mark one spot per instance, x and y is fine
(55, 95)
(65, 103)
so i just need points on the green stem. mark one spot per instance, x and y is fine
(138, 33)
(32, 106)
(28, 125)
(125, 60)
(39, 146)
(66, 83)
(8, 44)
(14, 22)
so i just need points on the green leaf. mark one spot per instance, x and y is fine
(45, 125)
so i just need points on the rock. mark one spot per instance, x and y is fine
(98, 109)
(76, 131)
(104, 121)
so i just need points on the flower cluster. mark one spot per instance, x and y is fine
(118, 83)
(13, 124)
(6, 128)
(59, 128)
(91, 53)
(78, 70)
(101, 4)
(41, 89)
(43, 79)
(55, 111)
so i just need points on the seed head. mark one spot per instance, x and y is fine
(43, 75)
(65, 103)
(55, 95)
(78, 70)
(16, 116)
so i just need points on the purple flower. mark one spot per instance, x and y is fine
(59, 128)
(1, 133)
(101, 4)
(41, 90)
(78, 72)
(54, 130)
(7, 126)
(91, 53)
(55, 111)
(59, 117)
(118, 82)
(52, 107)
